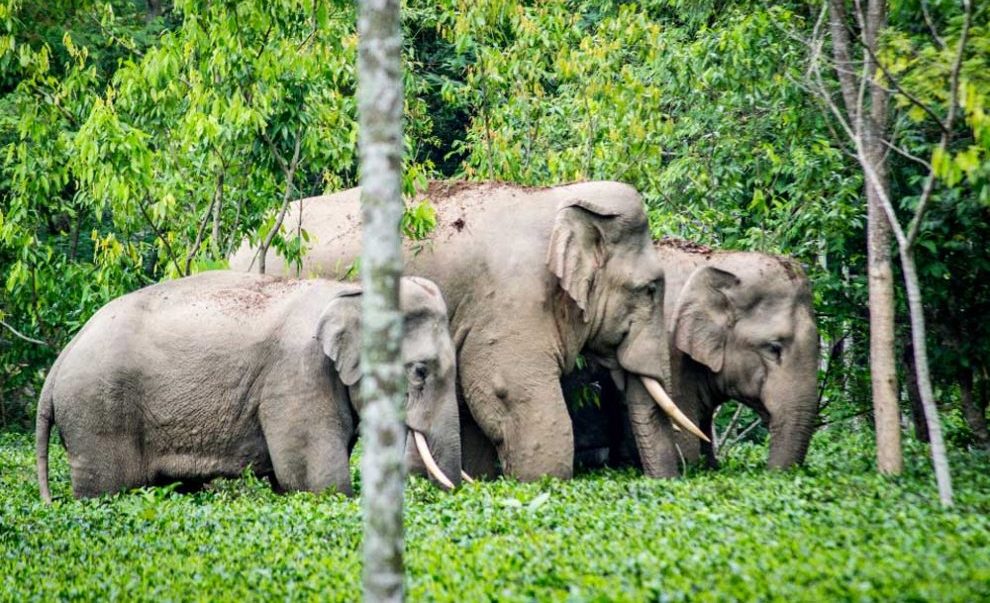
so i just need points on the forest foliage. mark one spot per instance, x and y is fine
(140, 145)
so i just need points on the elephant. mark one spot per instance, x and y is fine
(204, 376)
(533, 277)
(741, 326)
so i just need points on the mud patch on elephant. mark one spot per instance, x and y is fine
(440, 190)
(684, 245)
(791, 267)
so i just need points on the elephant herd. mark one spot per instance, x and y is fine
(204, 376)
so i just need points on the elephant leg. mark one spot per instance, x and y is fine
(524, 415)
(106, 464)
(307, 451)
(652, 432)
(539, 439)
(478, 456)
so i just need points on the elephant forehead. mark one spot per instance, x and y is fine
(421, 296)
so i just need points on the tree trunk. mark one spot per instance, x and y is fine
(870, 124)
(974, 414)
(914, 395)
(380, 100)
(883, 372)
(154, 9)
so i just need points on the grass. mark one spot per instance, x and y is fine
(833, 530)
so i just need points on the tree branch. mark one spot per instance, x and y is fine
(290, 172)
(897, 86)
(199, 235)
(915, 225)
(161, 236)
(23, 336)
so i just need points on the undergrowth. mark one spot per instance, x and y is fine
(832, 530)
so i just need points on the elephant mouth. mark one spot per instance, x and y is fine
(423, 448)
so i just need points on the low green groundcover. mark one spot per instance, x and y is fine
(830, 531)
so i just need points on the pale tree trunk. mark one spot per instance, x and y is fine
(383, 385)
(871, 127)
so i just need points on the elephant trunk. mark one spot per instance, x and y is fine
(790, 395)
(791, 431)
(652, 431)
(433, 443)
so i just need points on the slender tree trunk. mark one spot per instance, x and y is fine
(870, 124)
(380, 100)
(974, 414)
(940, 459)
(154, 9)
(883, 369)
(914, 395)
(217, 212)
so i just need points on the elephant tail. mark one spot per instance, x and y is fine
(43, 430)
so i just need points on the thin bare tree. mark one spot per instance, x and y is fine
(380, 100)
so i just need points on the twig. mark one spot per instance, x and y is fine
(931, 25)
(742, 434)
(290, 173)
(897, 86)
(719, 442)
(199, 235)
(832, 355)
(915, 224)
(903, 153)
(161, 236)
(25, 337)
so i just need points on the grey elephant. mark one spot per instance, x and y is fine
(741, 327)
(201, 377)
(532, 278)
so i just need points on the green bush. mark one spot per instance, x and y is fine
(833, 530)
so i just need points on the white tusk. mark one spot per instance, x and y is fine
(664, 402)
(431, 465)
(466, 477)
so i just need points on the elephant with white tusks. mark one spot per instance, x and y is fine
(533, 277)
(204, 376)
(742, 327)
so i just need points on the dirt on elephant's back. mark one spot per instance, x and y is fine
(439, 191)
(683, 245)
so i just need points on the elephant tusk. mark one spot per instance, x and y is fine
(466, 477)
(664, 402)
(431, 464)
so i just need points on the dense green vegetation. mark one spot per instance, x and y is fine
(140, 145)
(831, 531)
(144, 140)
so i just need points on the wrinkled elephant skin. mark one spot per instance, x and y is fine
(532, 277)
(205, 376)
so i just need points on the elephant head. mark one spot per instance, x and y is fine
(602, 254)
(747, 318)
(433, 445)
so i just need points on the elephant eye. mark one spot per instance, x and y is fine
(417, 374)
(774, 349)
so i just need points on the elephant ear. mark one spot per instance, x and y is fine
(577, 247)
(340, 334)
(704, 316)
